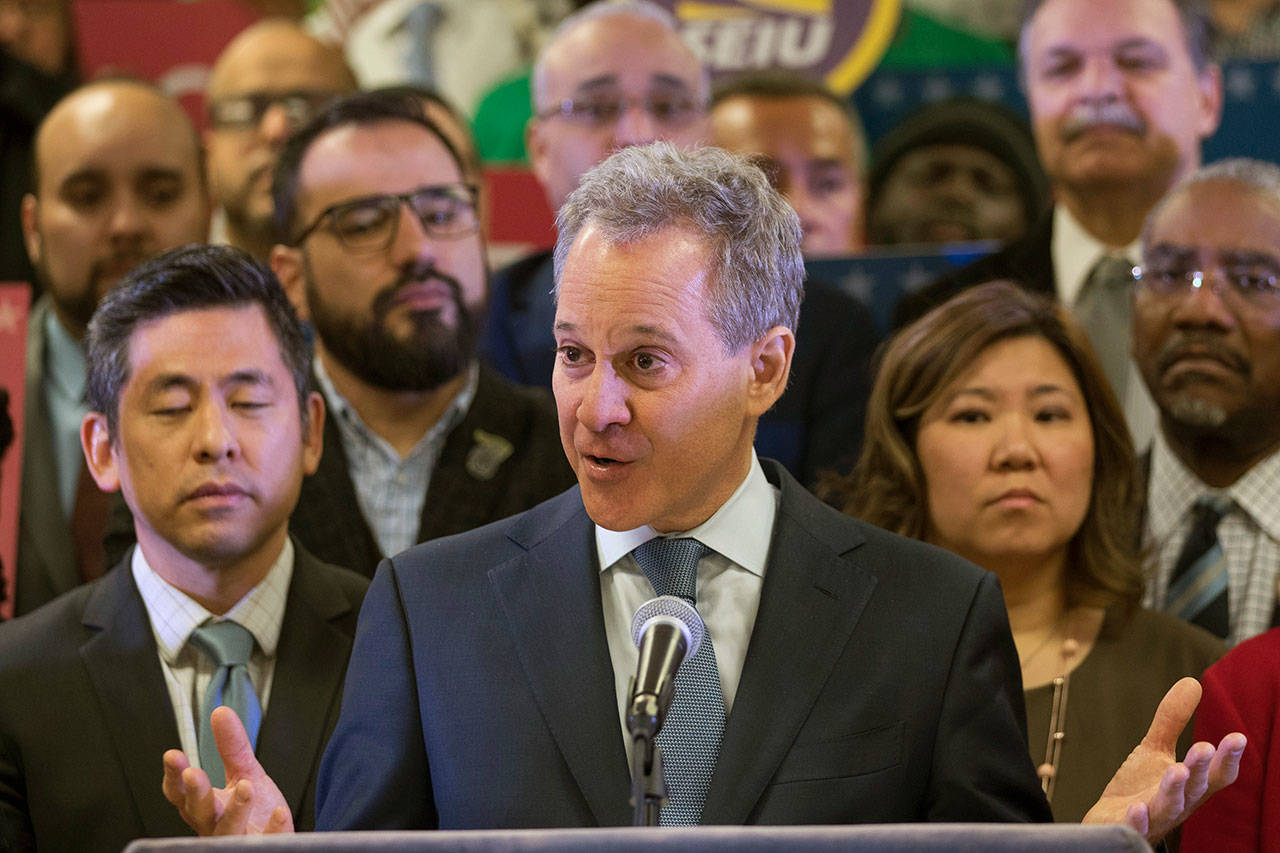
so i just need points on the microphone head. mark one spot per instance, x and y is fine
(670, 609)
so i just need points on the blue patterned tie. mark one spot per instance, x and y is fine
(690, 736)
(228, 645)
(1198, 587)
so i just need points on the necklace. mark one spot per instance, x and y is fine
(1048, 770)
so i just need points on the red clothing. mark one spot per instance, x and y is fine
(1242, 694)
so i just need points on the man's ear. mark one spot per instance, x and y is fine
(289, 266)
(313, 435)
(99, 454)
(30, 230)
(770, 368)
(536, 146)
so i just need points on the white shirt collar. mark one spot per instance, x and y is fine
(1075, 252)
(174, 614)
(741, 529)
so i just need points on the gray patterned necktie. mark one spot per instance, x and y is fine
(1198, 587)
(690, 736)
(229, 645)
(1104, 309)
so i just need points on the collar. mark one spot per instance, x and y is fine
(1075, 252)
(741, 529)
(174, 614)
(350, 422)
(1174, 488)
(64, 359)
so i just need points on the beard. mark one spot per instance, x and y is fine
(429, 355)
(78, 303)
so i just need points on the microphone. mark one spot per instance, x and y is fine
(667, 629)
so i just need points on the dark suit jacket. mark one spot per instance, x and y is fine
(816, 426)
(46, 566)
(328, 521)
(85, 715)
(1026, 261)
(880, 685)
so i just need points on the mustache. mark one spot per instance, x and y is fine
(386, 298)
(117, 264)
(1199, 345)
(1090, 114)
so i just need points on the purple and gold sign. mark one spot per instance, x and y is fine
(838, 41)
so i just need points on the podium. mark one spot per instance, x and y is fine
(895, 838)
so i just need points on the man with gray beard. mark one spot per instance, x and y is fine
(1206, 335)
(1121, 96)
(381, 252)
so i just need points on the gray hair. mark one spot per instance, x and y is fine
(600, 11)
(1258, 176)
(756, 280)
(1196, 30)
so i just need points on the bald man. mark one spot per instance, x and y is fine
(118, 179)
(270, 79)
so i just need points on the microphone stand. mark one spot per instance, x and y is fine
(648, 787)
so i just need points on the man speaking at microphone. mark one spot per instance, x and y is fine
(847, 676)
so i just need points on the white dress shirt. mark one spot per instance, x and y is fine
(729, 583)
(187, 671)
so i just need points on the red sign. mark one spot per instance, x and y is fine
(170, 43)
(14, 302)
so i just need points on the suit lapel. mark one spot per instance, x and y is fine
(124, 669)
(329, 494)
(46, 539)
(553, 591)
(457, 499)
(311, 662)
(812, 597)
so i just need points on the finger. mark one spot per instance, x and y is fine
(280, 821)
(233, 744)
(1137, 818)
(1172, 715)
(200, 807)
(239, 805)
(1225, 766)
(1198, 761)
(175, 761)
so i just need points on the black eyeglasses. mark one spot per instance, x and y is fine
(1257, 287)
(671, 108)
(370, 223)
(245, 112)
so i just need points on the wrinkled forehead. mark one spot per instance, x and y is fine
(1079, 26)
(618, 51)
(115, 132)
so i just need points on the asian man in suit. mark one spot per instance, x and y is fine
(202, 414)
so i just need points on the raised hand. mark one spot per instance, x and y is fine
(250, 804)
(1153, 792)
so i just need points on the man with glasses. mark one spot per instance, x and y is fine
(268, 81)
(383, 256)
(1206, 336)
(614, 74)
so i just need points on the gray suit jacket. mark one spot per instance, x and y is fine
(85, 714)
(46, 565)
(880, 685)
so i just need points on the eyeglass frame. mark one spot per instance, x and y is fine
(403, 200)
(565, 110)
(261, 102)
(1194, 279)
